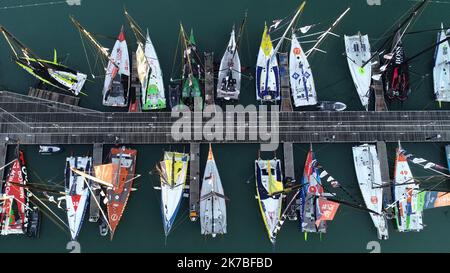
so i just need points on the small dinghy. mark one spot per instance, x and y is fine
(357, 49)
(269, 189)
(77, 192)
(301, 78)
(441, 70)
(368, 173)
(213, 211)
(48, 150)
(331, 106)
(229, 80)
(117, 79)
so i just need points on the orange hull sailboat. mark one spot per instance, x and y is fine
(123, 181)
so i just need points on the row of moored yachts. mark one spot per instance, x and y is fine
(186, 88)
(312, 200)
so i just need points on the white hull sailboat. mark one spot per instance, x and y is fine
(269, 187)
(407, 210)
(367, 167)
(117, 78)
(267, 71)
(301, 78)
(441, 70)
(213, 212)
(173, 171)
(357, 49)
(77, 192)
(229, 80)
(150, 76)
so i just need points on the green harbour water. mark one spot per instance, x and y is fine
(45, 27)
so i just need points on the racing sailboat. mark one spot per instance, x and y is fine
(117, 79)
(395, 68)
(77, 192)
(213, 213)
(125, 161)
(310, 193)
(229, 77)
(357, 48)
(267, 69)
(269, 188)
(49, 72)
(408, 214)
(301, 77)
(14, 212)
(368, 173)
(441, 70)
(173, 173)
(192, 72)
(149, 69)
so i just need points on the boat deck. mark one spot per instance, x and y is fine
(194, 181)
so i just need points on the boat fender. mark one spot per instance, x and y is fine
(186, 194)
(133, 189)
(157, 188)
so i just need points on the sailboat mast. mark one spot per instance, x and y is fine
(300, 9)
(25, 50)
(407, 22)
(188, 57)
(91, 38)
(328, 31)
(135, 28)
(241, 30)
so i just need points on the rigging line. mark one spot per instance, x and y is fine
(98, 204)
(86, 55)
(49, 217)
(33, 5)
(175, 56)
(45, 206)
(404, 196)
(408, 23)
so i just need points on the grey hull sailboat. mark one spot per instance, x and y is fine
(229, 80)
(213, 213)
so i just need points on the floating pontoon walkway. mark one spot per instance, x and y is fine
(194, 182)
(209, 78)
(286, 103)
(377, 87)
(53, 123)
(97, 159)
